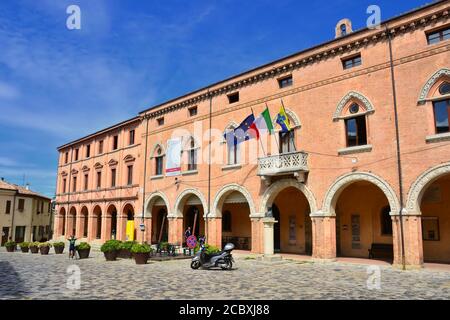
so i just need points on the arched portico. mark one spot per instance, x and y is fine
(156, 213)
(110, 223)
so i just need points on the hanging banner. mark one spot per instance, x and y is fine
(173, 156)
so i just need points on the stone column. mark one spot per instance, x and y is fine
(323, 236)
(176, 230)
(146, 235)
(57, 227)
(412, 230)
(69, 226)
(257, 235)
(121, 227)
(79, 226)
(268, 235)
(106, 228)
(214, 236)
(92, 226)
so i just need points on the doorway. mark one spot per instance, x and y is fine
(276, 229)
(5, 234)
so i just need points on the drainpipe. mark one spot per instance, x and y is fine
(209, 161)
(145, 176)
(397, 136)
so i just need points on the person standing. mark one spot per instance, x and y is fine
(72, 241)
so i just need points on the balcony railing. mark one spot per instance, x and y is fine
(286, 163)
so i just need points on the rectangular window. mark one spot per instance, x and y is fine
(88, 151)
(113, 178)
(19, 235)
(66, 157)
(159, 166)
(42, 207)
(356, 131)
(74, 184)
(352, 62)
(130, 175)
(86, 182)
(441, 115)
(8, 207)
(233, 98)
(100, 147)
(193, 111)
(76, 154)
(132, 133)
(285, 82)
(115, 142)
(438, 36)
(160, 121)
(287, 141)
(21, 206)
(192, 165)
(430, 229)
(99, 179)
(64, 185)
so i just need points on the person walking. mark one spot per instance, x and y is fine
(72, 241)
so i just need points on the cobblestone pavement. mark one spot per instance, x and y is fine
(27, 276)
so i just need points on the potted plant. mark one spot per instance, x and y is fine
(141, 252)
(59, 247)
(110, 249)
(11, 246)
(83, 250)
(24, 246)
(125, 249)
(44, 247)
(34, 247)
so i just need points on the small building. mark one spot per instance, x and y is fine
(25, 215)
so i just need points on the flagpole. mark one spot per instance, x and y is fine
(276, 141)
(292, 137)
(259, 138)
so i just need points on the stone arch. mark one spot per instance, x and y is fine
(129, 206)
(420, 185)
(342, 182)
(353, 96)
(151, 199)
(444, 72)
(109, 206)
(224, 192)
(271, 193)
(181, 199)
(155, 147)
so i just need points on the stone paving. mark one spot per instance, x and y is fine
(27, 276)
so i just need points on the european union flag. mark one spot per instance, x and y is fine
(241, 133)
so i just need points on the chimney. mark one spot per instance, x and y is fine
(27, 186)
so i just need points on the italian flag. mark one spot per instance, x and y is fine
(262, 124)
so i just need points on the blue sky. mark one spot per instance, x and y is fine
(130, 55)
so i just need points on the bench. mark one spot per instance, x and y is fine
(381, 250)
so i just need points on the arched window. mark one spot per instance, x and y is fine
(355, 127)
(226, 221)
(192, 155)
(159, 160)
(441, 110)
(386, 221)
(444, 88)
(343, 29)
(233, 152)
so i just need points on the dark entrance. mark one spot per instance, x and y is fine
(276, 229)
(5, 234)
(113, 224)
(190, 216)
(162, 225)
(20, 234)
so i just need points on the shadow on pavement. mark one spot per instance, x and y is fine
(11, 285)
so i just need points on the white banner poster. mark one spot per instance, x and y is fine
(173, 157)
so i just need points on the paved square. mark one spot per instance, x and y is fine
(27, 276)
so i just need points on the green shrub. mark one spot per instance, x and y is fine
(127, 245)
(24, 244)
(45, 244)
(141, 248)
(10, 244)
(83, 246)
(35, 244)
(58, 244)
(209, 249)
(111, 245)
(163, 245)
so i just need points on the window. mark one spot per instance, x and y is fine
(76, 154)
(159, 162)
(285, 82)
(444, 88)
(192, 161)
(66, 157)
(99, 179)
(49, 207)
(64, 185)
(130, 175)
(115, 142)
(132, 133)
(100, 147)
(287, 141)
(430, 229)
(441, 113)
(356, 131)
(193, 111)
(86, 181)
(21, 206)
(226, 221)
(160, 121)
(74, 184)
(42, 207)
(386, 221)
(352, 62)
(88, 151)
(233, 98)
(343, 28)
(8, 207)
(233, 154)
(438, 36)
(113, 178)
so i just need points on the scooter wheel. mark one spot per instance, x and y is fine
(228, 266)
(195, 265)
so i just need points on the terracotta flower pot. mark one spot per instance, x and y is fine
(25, 249)
(141, 258)
(59, 250)
(11, 249)
(34, 249)
(110, 255)
(44, 250)
(84, 253)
